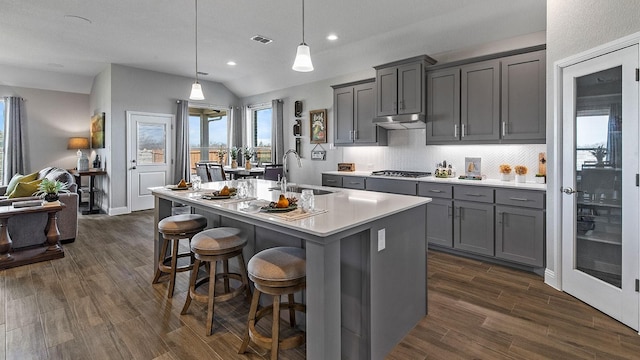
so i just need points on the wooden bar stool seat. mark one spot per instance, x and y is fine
(173, 229)
(276, 271)
(209, 247)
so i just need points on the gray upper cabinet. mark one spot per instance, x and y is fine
(354, 110)
(401, 87)
(499, 100)
(443, 105)
(523, 97)
(480, 101)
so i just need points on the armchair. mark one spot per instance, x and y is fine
(27, 230)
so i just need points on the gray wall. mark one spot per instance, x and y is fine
(133, 89)
(52, 117)
(574, 26)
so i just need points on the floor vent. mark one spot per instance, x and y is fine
(261, 39)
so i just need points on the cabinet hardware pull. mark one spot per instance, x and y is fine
(328, 180)
(401, 105)
(500, 217)
(457, 212)
(354, 183)
(462, 130)
(455, 130)
(518, 199)
(504, 128)
(435, 191)
(355, 134)
(449, 212)
(476, 195)
(395, 106)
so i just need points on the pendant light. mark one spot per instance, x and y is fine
(196, 88)
(303, 55)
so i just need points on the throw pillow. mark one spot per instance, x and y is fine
(19, 178)
(25, 189)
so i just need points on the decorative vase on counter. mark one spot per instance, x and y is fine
(247, 165)
(505, 177)
(521, 178)
(234, 164)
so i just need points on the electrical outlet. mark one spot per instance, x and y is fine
(381, 239)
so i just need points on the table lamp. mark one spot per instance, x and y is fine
(80, 143)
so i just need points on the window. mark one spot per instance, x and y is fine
(208, 134)
(260, 134)
(591, 134)
(2, 115)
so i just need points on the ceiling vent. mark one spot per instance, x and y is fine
(261, 39)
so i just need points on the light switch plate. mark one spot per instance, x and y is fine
(381, 239)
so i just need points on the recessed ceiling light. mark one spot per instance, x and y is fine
(231, 63)
(332, 37)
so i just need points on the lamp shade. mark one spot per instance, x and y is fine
(76, 143)
(196, 92)
(302, 62)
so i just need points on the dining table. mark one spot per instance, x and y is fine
(366, 256)
(241, 172)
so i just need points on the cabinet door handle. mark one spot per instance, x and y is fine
(455, 130)
(518, 199)
(457, 212)
(435, 191)
(354, 183)
(331, 181)
(500, 217)
(504, 128)
(462, 130)
(355, 134)
(401, 105)
(474, 195)
(395, 106)
(449, 211)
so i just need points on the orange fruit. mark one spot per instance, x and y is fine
(225, 191)
(282, 202)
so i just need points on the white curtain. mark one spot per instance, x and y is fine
(277, 131)
(181, 165)
(14, 142)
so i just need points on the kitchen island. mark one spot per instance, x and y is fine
(365, 253)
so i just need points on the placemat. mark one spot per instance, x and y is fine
(231, 200)
(297, 214)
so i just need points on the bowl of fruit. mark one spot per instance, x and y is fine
(283, 204)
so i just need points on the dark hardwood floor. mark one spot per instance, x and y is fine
(98, 303)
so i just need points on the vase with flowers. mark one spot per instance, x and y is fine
(521, 173)
(234, 157)
(505, 172)
(248, 154)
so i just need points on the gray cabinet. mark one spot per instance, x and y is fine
(523, 97)
(353, 182)
(443, 105)
(331, 180)
(405, 187)
(401, 86)
(439, 213)
(473, 218)
(500, 100)
(520, 226)
(480, 101)
(354, 110)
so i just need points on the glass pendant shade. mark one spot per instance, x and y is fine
(302, 62)
(196, 92)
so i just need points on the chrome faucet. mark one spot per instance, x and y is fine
(283, 184)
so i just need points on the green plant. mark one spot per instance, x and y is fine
(599, 153)
(234, 153)
(248, 153)
(51, 187)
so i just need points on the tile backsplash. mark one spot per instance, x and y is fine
(407, 151)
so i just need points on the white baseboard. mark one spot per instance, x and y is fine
(119, 211)
(551, 279)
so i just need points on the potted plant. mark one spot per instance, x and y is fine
(234, 157)
(248, 155)
(221, 154)
(541, 178)
(521, 173)
(50, 189)
(505, 172)
(599, 154)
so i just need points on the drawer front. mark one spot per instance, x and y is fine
(404, 187)
(523, 198)
(353, 182)
(473, 193)
(331, 180)
(435, 190)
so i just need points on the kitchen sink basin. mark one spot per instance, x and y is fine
(298, 189)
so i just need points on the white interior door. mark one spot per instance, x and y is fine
(149, 156)
(600, 143)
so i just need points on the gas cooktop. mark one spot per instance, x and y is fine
(401, 173)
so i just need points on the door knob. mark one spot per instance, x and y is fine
(568, 191)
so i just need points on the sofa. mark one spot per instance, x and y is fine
(28, 229)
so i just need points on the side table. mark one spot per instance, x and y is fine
(92, 173)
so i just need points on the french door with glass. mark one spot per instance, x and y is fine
(600, 231)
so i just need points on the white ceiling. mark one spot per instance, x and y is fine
(41, 47)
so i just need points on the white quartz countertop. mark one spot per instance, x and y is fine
(529, 185)
(345, 208)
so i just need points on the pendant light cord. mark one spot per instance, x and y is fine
(196, 40)
(302, 21)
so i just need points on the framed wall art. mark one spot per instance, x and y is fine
(97, 131)
(318, 119)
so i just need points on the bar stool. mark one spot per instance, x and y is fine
(174, 228)
(276, 271)
(209, 247)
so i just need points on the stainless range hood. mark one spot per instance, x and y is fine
(401, 122)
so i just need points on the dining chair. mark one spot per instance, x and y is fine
(216, 172)
(202, 171)
(272, 171)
